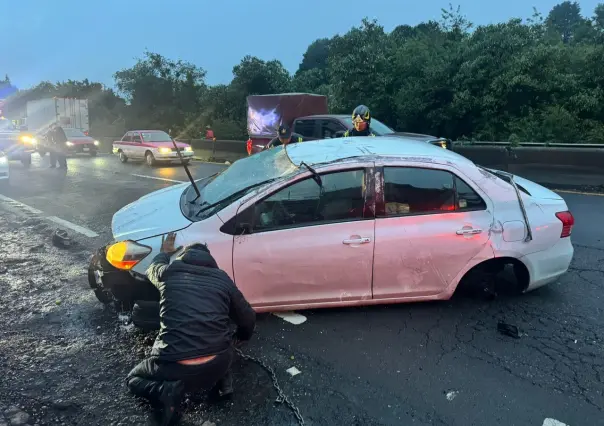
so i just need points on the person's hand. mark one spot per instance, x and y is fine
(167, 244)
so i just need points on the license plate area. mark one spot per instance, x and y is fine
(85, 149)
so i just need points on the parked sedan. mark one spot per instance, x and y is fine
(152, 146)
(351, 221)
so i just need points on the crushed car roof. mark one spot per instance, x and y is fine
(330, 150)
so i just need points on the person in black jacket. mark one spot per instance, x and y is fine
(194, 348)
(58, 139)
(284, 137)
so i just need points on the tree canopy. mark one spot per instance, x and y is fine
(534, 79)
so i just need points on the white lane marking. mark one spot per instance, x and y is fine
(570, 191)
(553, 422)
(77, 228)
(158, 178)
(291, 317)
(16, 203)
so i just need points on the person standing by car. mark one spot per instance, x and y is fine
(194, 347)
(58, 139)
(285, 136)
(361, 122)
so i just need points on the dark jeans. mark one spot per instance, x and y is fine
(57, 156)
(146, 379)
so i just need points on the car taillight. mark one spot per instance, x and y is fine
(568, 221)
(249, 146)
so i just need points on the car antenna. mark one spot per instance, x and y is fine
(182, 161)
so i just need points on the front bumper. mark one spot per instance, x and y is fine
(82, 148)
(173, 156)
(111, 284)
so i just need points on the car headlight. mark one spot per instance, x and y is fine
(96, 143)
(28, 139)
(165, 150)
(3, 160)
(69, 143)
(126, 254)
(188, 149)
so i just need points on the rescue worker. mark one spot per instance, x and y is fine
(285, 136)
(361, 121)
(194, 347)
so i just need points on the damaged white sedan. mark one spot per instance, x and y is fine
(350, 221)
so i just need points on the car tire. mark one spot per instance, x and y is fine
(150, 159)
(26, 161)
(103, 295)
(123, 158)
(145, 315)
(93, 153)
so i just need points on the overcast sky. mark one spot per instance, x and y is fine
(77, 39)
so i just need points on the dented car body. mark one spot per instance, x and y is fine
(349, 221)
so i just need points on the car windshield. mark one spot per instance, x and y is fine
(232, 183)
(74, 133)
(377, 126)
(156, 137)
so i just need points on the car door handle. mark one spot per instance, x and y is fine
(363, 240)
(471, 231)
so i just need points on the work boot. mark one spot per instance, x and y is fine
(223, 389)
(170, 398)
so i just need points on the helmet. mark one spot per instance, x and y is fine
(361, 114)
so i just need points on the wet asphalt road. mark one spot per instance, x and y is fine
(438, 363)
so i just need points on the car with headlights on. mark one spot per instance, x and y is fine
(4, 169)
(77, 143)
(151, 146)
(346, 221)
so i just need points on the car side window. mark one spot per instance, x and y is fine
(414, 191)
(329, 128)
(136, 138)
(305, 127)
(305, 203)
(127, 138)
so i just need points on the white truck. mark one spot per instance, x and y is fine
(70, 113)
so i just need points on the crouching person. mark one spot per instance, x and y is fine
(194, 347)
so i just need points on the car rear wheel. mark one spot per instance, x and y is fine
(123, 158)
(150, 159)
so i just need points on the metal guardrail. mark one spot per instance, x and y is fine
(530, 144)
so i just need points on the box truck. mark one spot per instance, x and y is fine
(70, 113)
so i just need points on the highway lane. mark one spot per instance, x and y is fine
(429, 363)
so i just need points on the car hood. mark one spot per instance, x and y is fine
(537, 191)
(154, 214)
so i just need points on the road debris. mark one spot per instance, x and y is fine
(293, 371)
(16, 417)
(508, 330)
(553, 422)
(291, 317)
(61, 239)
(451, 395)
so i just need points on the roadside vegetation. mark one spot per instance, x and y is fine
(536, 79)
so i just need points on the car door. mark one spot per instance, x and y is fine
(329, 128)
(308, 128)
(138, 151)
(431, 225)
(307, 245)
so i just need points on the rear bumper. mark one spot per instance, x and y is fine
(548, 265)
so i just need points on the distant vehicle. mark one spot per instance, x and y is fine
(367, 220)
(16, 144)
(4, 169)
(70, 113)
(151, 146)
(77, 143)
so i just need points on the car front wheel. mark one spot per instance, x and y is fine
(123, 158)
(150, 159)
